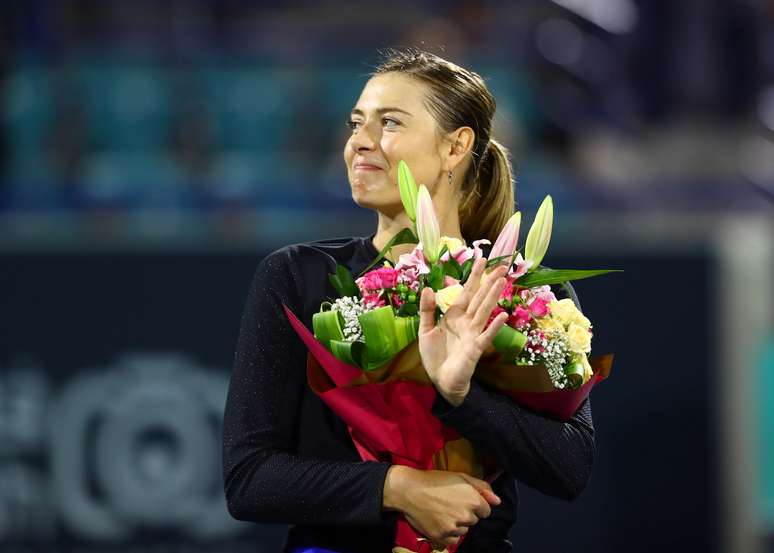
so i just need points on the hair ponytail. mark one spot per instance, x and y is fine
(489, 203)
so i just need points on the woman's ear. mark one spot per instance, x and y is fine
(457, 146)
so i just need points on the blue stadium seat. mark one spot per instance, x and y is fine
(27, 113)
(128, 106)
(249, 178)
(31, 183)
(252, 107)
(134, 180)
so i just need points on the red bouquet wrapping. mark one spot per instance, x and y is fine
(388, 412)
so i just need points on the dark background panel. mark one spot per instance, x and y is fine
(143, 321)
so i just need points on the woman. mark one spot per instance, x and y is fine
(287, 457)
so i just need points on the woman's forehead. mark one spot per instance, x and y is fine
(392, 90)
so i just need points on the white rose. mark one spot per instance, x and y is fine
(579, 338)
(446, 296)
(588, 372)
(564, 310)
(454, 244)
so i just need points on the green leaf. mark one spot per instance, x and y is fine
(336, 283)
(408, 309)
(542, 276)
(435, 278)
(404, 236)
(379, 331)
(466, 267)
(574, 373)
(509, 342)
(496, 260)
(327, 326)
(406, 330)
(349, 352)
(453, 268)
(452, 271)
(343, 282)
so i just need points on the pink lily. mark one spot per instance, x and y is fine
(414, 260)
(506, 241)
(519, 268)
(477, 251)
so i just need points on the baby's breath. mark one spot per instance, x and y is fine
(350, 307)
(549, 348)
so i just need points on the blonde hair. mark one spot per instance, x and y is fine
(456, 98)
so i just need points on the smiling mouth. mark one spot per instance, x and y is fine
(366, 167)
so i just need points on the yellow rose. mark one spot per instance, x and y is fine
(579, 338)
(446, 296)
(453, 244)
(588, 372)
(564, 310)
(581, 320)
(550, 325)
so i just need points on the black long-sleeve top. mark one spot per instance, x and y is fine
(287, 458)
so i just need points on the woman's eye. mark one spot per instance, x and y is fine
(386, 121)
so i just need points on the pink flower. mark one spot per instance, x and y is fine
(519, 268)
(414, 260)
(495, 312)
(537, 299)
(520, 318)
(538, 307)
(507, 293)
(410, 277)
(374, 300)
(378, 279)
(460, 255)
(373, 283)
(477, 252)
(544, 293)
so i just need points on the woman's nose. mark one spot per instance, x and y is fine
(364, 138)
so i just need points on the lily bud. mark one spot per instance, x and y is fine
(427, 225)
(506, 241)
(540, 233)
(408, 190)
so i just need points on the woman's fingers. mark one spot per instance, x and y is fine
(483, 290)
(426, 310)
(486, 306)
(486, 337)
(472, 285)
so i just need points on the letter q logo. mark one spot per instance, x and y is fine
(138, 445)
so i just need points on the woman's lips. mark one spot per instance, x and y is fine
(366, 167)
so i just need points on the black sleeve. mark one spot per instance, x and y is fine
(264, 480)
(551, 456)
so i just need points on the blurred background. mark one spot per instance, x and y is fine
(151, 153)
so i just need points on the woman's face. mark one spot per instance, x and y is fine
(390, 123)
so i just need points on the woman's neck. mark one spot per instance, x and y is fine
(390, 226)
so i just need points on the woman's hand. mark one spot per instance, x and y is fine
(441, 505)
(451, 349)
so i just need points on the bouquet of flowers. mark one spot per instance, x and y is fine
(364, 359)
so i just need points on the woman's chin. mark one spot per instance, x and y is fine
(362, 198)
